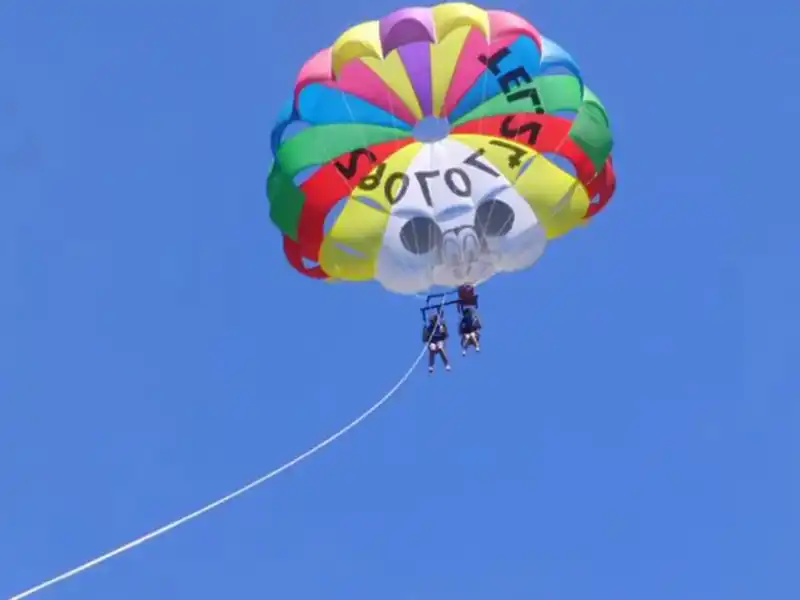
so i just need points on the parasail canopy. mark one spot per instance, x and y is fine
(436, 147)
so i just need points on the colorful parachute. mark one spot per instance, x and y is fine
(435, 147)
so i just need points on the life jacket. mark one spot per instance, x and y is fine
(469, 322)
(437, 332)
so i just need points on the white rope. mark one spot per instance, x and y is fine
(217, 503)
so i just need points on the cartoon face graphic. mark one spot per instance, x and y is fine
(456, 223)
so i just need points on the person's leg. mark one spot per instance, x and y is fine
(431, 356)
(443, 353)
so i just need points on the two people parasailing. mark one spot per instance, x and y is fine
(435, 332)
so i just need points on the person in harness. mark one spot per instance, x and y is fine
(435, 334)
(470, 330)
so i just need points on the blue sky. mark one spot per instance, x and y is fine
(630, 430)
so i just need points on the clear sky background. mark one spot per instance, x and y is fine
(630, 430)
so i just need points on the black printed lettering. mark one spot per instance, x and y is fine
(531, 93)
(373, 180)
(396, 185)
(492, 62)
(516, 153)
(465, 189)
(388, 189)
(349, 170)
(422, 179)
(513, 79)
(507, 130)
(472, 161)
